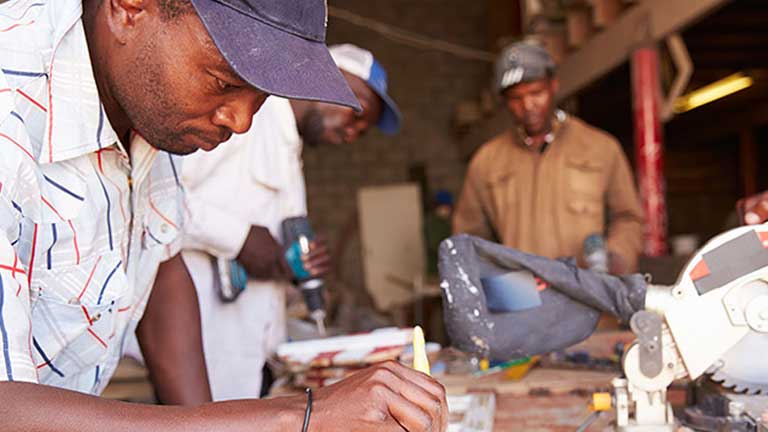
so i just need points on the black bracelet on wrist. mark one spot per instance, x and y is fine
(307, 413)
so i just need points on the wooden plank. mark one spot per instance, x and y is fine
(648, 21)
(392, 242)
(546, 414)
(538, 381)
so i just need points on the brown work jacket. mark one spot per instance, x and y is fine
(548, 203)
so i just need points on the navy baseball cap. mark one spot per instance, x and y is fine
(277, 47)
(361, 63)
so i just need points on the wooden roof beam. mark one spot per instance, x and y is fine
(648, 21)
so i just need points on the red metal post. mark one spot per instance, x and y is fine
(649, 148)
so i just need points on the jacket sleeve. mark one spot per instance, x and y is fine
(470, 215)
(625, 215)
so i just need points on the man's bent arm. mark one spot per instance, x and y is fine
(33, 407)
(469, 216)
(170, 338)
(625, 214)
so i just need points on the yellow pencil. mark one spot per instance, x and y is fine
(420, 360)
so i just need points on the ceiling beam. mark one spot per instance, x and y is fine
(648, 21)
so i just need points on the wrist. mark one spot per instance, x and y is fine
(291, 415)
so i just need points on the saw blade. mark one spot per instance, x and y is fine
(744, 368)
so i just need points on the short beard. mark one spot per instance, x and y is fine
(311, 128)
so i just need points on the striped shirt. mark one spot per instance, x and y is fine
(83, 225)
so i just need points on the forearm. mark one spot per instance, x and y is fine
(33, 407)
(469, 217)
(170, 338)
(625, 215)
(625, 240)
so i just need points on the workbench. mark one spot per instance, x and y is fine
(545, 400)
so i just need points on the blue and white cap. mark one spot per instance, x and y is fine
(360, 62)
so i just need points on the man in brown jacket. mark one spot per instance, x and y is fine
(551, 180)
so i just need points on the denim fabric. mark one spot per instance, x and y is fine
(571, 305)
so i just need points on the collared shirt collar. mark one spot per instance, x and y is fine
(76, 122)
(558, 118)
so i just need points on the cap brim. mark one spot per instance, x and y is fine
(389, 121)
(273, 60)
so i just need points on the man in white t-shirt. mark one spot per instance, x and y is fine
(239, 195)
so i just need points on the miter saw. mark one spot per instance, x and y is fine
(712, 323)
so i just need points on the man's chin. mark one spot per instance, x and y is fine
(539, 128)
(179, 148)
(183, 152)
(188, 144)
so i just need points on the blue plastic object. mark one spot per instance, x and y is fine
(293, 257)
(510, 292)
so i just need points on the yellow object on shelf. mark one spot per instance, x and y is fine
(518, 371)
(601, 402)
(484, 364)
(420, 360)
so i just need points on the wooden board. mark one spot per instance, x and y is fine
(602, 343)
(563, 413)
(539, 381)
(391, 233)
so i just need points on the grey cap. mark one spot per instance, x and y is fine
(521, 62)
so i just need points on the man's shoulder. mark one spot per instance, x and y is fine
(489, 150)
(589, 131)
(592, 139)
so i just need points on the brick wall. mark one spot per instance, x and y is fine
(426, 85)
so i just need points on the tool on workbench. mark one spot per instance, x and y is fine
(297, 236)
(514, 369)
(713, 322)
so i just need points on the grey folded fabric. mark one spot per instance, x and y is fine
(567, 313)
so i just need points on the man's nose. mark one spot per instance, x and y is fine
(529, 103)
(355, 130)
(237, 114)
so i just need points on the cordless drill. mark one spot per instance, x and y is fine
(297, 235)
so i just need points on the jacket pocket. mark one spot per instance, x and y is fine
(585, 177)
(587, 218)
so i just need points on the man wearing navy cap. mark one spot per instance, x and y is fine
(239, 195)
(97, 99)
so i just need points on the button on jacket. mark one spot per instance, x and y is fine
(548, 203)
(83, 226)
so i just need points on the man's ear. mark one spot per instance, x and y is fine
(124, 15)
(554, 85)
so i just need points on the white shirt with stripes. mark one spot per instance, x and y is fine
(83, 225)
